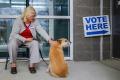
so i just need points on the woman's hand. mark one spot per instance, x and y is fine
(29, 39)
(51, 42)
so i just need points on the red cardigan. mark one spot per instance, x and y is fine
(26, 33)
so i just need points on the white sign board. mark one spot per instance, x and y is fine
(96, 25)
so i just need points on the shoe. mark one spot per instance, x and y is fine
(13, 70)
(32, 69)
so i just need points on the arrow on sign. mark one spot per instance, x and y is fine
(97, 32)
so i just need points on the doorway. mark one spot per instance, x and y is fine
(116, 29)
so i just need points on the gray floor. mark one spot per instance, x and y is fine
(114, 63)
(83, 70)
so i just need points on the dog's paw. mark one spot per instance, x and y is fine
(47, 70)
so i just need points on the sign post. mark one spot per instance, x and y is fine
(97, 26)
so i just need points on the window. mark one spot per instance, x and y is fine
(54, 16)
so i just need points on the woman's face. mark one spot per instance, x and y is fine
(31, 16)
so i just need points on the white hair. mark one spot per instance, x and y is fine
(27, 11)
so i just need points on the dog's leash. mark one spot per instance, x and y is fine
(42, 57)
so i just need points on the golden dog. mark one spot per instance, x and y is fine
(58, 67)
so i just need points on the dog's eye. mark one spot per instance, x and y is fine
(65, 40)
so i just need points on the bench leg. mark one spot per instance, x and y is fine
(6, 63)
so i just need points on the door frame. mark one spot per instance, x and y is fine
(70, 17)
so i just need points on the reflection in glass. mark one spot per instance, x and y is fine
(62, 30)
(51, 7)
(45, 24)
(61, 7)
(2, 30)
(5, 28)
(58, 28)
(11, 7)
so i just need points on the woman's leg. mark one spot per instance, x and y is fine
(12, 49)
(34, 51)
(34, 55)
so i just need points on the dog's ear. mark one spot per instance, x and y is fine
(59, 41)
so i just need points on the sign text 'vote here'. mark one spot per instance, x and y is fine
(96, 25)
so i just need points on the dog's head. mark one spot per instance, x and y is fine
(63, 42)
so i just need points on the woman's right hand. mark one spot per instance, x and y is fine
(51, 42)
(29, 39)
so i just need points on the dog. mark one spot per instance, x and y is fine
(57, 65)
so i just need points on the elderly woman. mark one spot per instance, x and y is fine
(24, 31)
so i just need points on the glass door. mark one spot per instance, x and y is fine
(9, 10)
(54, 16)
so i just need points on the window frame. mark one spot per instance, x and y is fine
(70, 17)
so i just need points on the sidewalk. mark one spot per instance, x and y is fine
(82, 70)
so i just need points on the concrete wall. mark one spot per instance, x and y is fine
(88, 48)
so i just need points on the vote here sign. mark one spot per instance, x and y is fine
(96, 25)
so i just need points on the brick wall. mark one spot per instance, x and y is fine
(88, 48)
